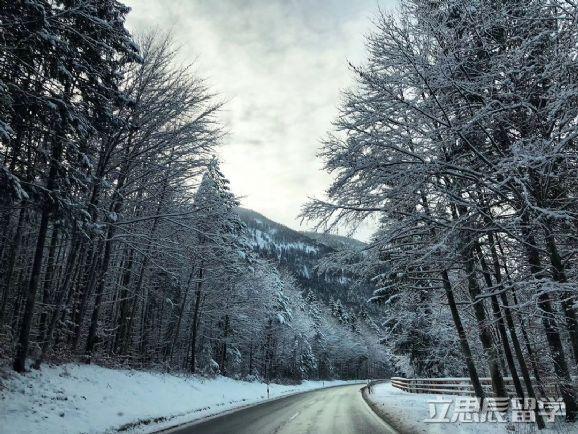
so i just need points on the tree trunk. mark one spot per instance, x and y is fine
(86, 287)
(116, 208)
(26, 325)
(123, 333)
(551, 328)
(250, 357)
(484, 330)
(500, 323)
(529, 350)
(224, 350)
(101, 280)
(567, 300)
(59, 302)
(512, 329)
(463, 338)
(48, 284)
(12, 252)
(195, 321)
(180, 317)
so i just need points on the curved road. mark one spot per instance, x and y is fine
(336, 410)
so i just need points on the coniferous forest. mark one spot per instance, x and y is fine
(122, 243)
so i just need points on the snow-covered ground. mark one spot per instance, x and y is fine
(90, 399)
(407, 412)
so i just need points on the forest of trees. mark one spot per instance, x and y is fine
(120, 243)
(460, 138)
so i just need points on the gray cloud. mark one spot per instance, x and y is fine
(280, 65)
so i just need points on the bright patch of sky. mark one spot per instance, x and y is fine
(280, 66)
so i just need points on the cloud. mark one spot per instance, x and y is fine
(280, 65)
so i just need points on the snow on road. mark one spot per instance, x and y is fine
(90, 399)
(407, 412)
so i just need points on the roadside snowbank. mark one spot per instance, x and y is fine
(90, 399)
(407, 412)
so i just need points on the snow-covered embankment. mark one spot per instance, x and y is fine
(407, 412)
(90, 399)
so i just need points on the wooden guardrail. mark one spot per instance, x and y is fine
(458, 386)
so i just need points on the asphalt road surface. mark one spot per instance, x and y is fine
(336, 410)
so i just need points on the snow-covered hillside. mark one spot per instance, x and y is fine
(300, 253)
(90, 399)
(277, 240)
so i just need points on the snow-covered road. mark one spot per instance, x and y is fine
(336, 410)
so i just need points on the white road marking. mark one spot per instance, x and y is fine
(294, 416)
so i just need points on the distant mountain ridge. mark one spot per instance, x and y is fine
(337, 242)
(300, 252)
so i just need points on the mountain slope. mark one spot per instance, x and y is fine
(300, 252)
(337, 242)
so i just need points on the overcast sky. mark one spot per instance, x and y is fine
(280, 65)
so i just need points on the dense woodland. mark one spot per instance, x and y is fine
(120, 240)
(460, 138)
